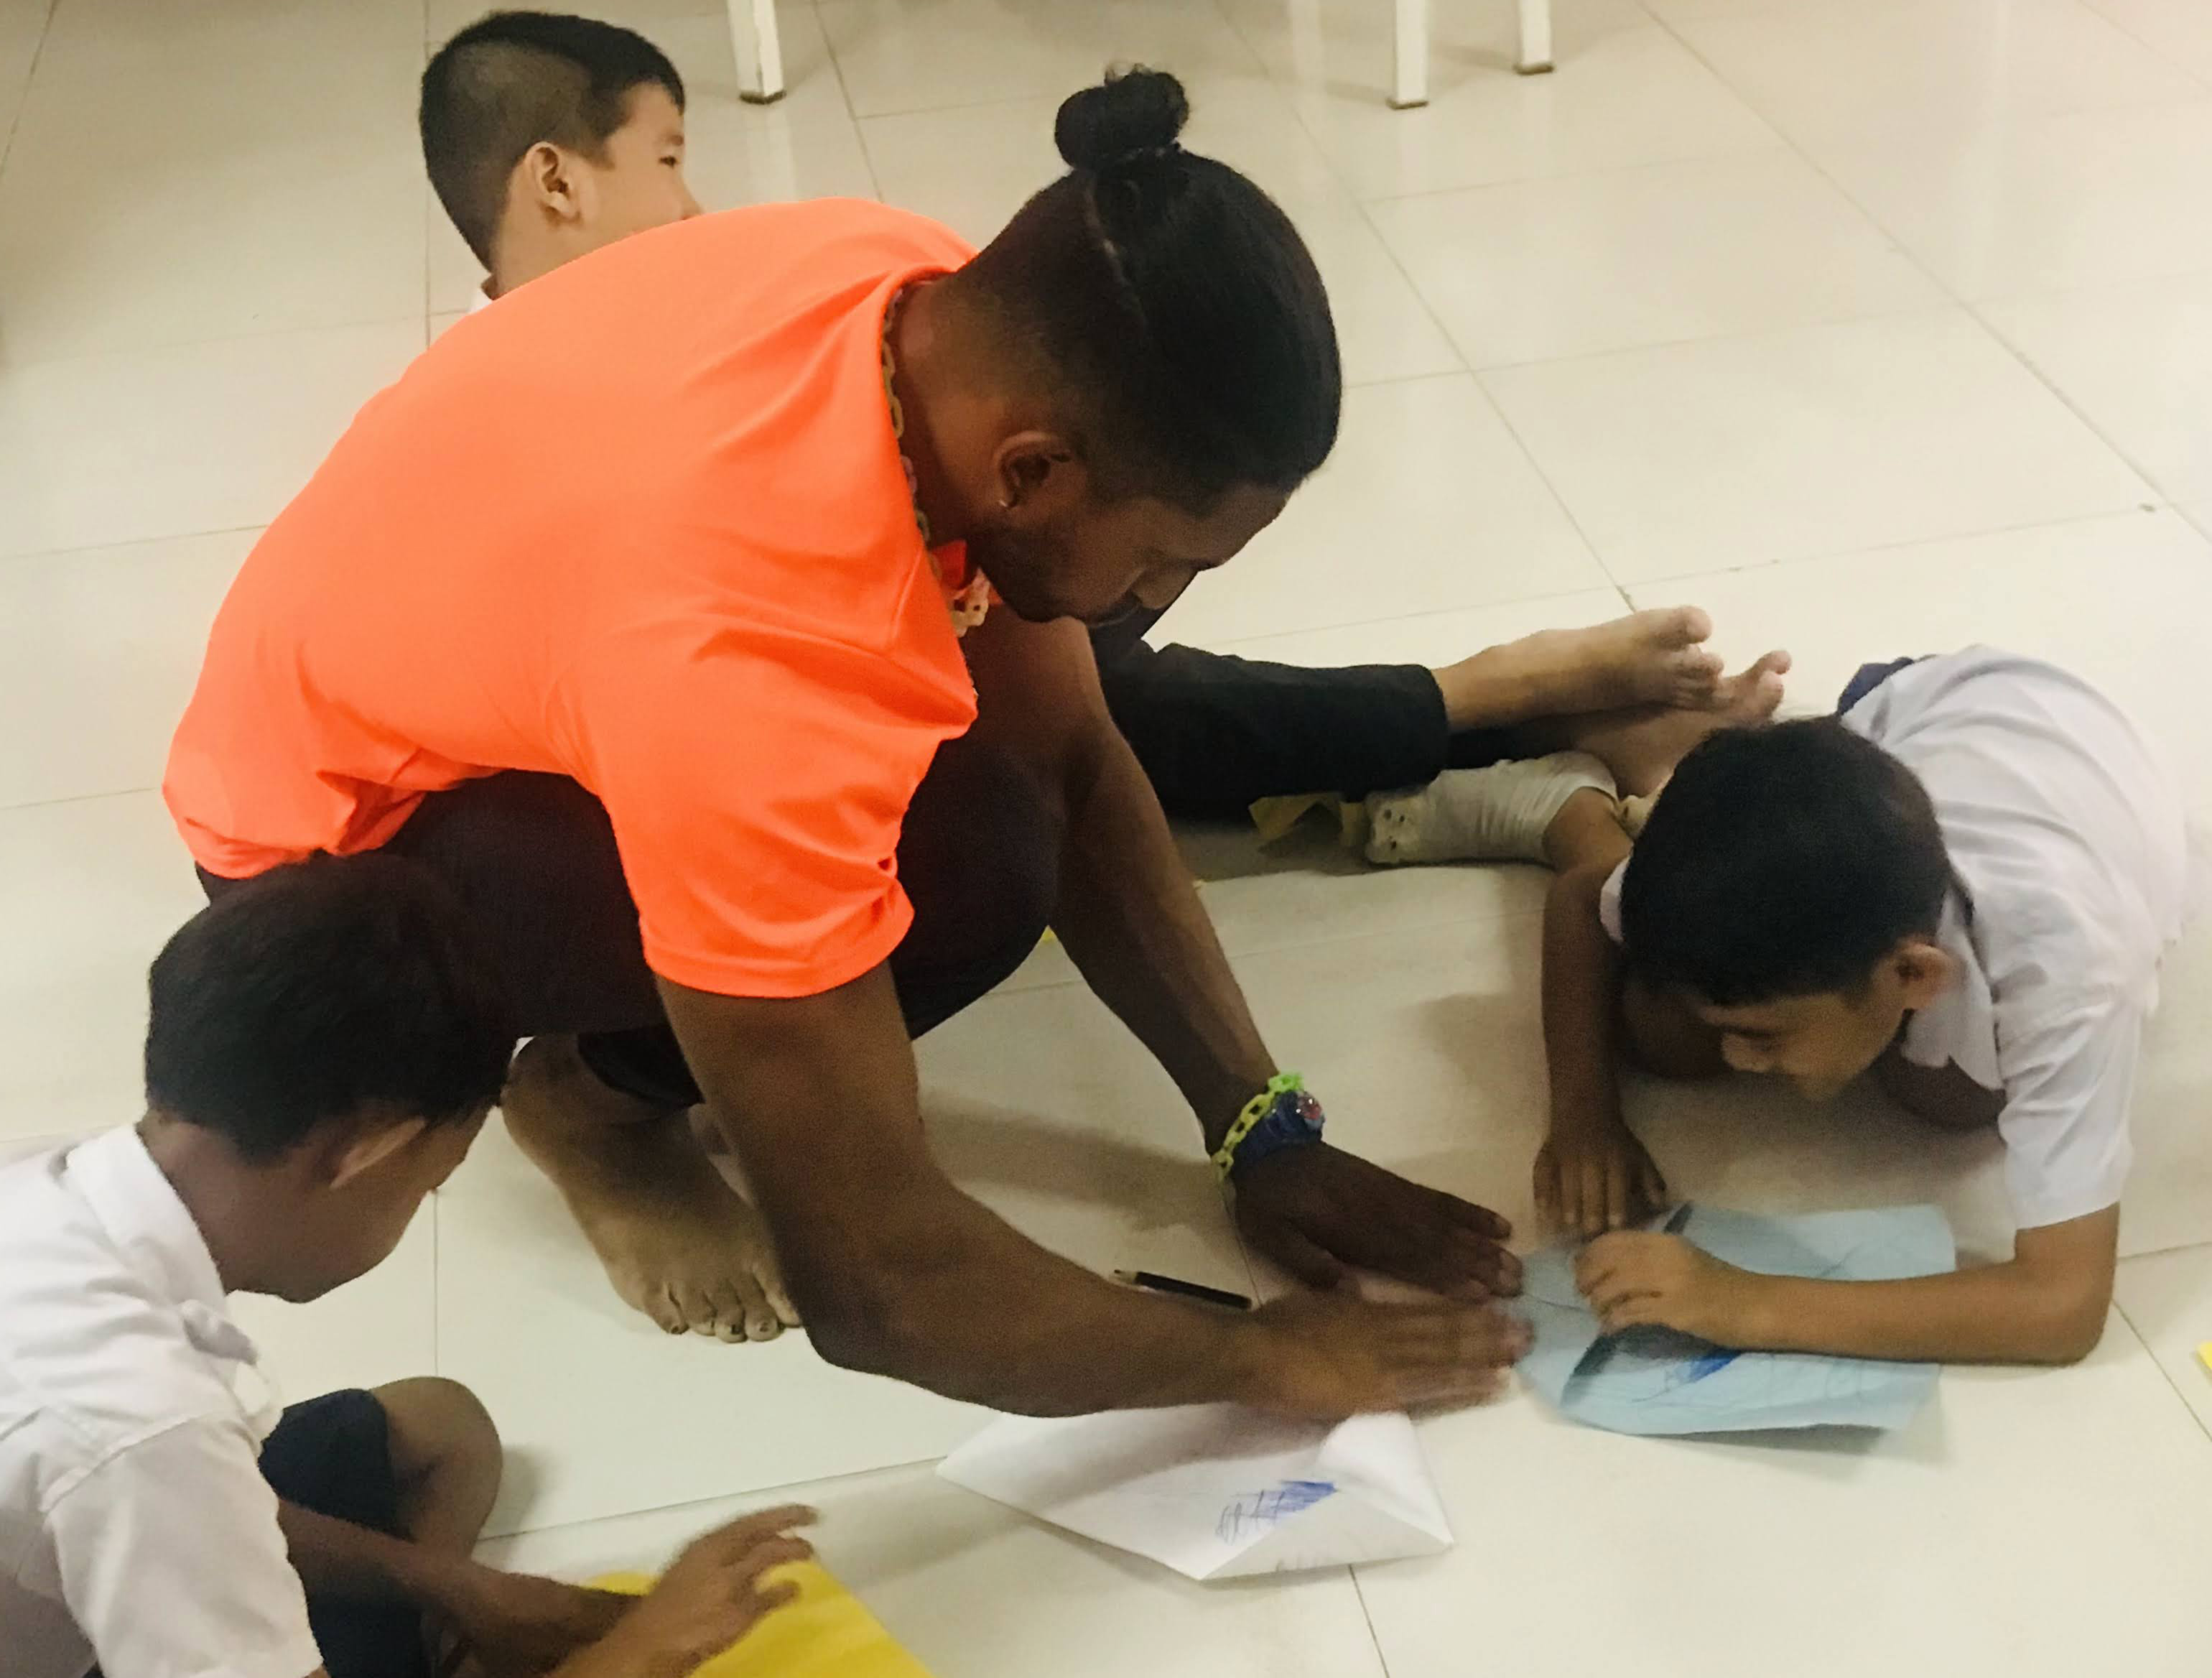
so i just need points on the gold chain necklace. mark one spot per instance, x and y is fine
(972, 600)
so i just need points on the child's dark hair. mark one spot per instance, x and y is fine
(1169, 302)
(1781, 862)
(513, 79)
(315, 991)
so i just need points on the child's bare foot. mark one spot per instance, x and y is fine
(677, 1244)
(1647, 658)
(1641, 747)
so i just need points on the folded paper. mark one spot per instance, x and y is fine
(1216, 1491)
(1652, 1380)
(824, 1631)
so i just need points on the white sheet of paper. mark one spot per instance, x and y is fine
(1216, 1491)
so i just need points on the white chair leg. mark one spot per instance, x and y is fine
(1535, 38)
(1410, 38)
(759, 50)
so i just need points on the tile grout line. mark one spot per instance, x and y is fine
(1696, 339)
(845, 94)
(77, 797)
(74, 549)
(1551, 489)
(2162, 1252)
(1996, 336)
(2157, 51)
(1367, 1615)
(748, 1493)
(1283, 93)
(1597, 171)
(1490, 401)
(1969, 306)
(1299, 945)
(30, 72)
(2165, 1374)
(428, 197)
(2159, 504)
(140, 352)
(1252, 646)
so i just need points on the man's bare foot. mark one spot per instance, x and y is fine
(677, 1244)
(1642, 746)
(716, 1146)
(1647, 658)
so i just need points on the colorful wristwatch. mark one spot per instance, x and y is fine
(1282, 1115)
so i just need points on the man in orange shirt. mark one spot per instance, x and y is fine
(548, 136)
(635, 609)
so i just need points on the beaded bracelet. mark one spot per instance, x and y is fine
(1282, 1115)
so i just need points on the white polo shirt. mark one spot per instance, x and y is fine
(2070, 842)
(134, 1526)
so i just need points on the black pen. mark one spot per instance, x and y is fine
(1154, 1283)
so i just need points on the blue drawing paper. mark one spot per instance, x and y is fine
(1650, 1380)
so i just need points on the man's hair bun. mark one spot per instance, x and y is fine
(1133, 114)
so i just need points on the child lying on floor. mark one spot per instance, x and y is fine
(321, 1051)
(1964, 881)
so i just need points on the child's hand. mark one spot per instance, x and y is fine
(516, 1623)
(1641, 1276)
(1595, 1179)
(711, 1597)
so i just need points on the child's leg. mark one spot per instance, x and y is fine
(1586, 833)
(1662, 1035)
(446, 1461)
(386, 1464)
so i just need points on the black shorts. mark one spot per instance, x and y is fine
(332, 1455)
(1867, 678)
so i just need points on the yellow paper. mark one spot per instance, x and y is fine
(826, 1632)
(1274, 817)
(2204, 1354)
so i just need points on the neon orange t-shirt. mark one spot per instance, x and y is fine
(643, 523)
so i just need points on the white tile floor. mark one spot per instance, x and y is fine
(1873, 327)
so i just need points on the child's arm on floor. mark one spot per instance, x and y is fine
(711, 1595)
(1592, 1174)
(530, 1622)
(2046, 1304)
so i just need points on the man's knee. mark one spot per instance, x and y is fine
(1664, 1038)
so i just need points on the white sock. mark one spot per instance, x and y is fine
(1497, 814)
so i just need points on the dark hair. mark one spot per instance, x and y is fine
(513, 79)
(1781, 862)
(318, 989)
(1170, 303)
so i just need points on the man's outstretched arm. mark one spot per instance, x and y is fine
(1133, 923)
(896, 1272)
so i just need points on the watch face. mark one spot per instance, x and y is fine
(1307, 1112)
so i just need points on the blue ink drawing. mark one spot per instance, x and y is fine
(1248, 1516)
(1653, 1380)
(1712, 1364)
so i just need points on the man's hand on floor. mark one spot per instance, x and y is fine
(1320, 1213)
(1335, 1354)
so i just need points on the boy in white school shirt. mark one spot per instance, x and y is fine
(1965, 882)
(320, 1053)
(547, 137)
